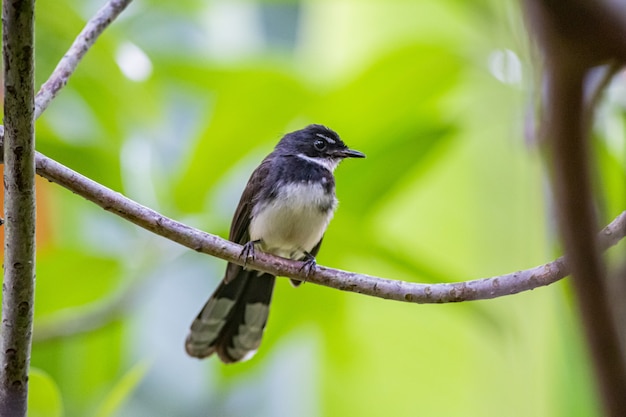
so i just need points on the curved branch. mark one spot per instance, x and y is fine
(347, 281)
(213, 245)
(216, 246)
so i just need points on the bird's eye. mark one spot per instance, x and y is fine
(320, 145)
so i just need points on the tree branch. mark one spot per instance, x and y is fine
(83, 42)
(347, 281)
(213, 245)
(19, 205)
(568, 143)
(594, 89)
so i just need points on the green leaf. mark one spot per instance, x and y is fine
(44, 398)
(227, 137)
(71, 269)
(123, 389)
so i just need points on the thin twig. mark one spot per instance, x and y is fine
(18, 18)
(595, 89)
(21, 109)
(347, 281)
(68, 64)
(83, 42)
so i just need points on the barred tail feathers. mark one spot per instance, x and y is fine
(232, 321)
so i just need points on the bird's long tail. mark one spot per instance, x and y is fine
(231, 323)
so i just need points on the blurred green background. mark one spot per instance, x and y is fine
(174, 107)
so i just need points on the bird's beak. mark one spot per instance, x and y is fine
(349, 153)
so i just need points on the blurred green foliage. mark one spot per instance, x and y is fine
(177, 103)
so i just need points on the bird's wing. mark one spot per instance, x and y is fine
(241, 220)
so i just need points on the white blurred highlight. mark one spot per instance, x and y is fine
(133, 62)
(233, 29)
(505, 66)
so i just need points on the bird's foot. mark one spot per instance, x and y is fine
(248, 251)
(308, 264)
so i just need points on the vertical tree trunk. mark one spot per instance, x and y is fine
(19, 209)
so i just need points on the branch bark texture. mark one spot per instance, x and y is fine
(213, 245)
(200, 241)
(19, 205)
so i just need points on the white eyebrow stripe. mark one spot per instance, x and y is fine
(329, 140)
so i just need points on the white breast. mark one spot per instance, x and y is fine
(294, 221)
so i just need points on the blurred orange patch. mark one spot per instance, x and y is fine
(44, 229)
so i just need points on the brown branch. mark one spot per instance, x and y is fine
(596, 30)
(19, 205)
(573, 37)
(568, 142)
(347, 281)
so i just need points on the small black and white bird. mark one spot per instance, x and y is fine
(284, 210)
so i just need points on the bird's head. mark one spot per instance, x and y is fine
(316, 142)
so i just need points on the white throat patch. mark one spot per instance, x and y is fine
(329, 164)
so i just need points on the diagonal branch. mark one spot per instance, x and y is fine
(20, 111)
(347, 281)
(18, 17)
(83, 42)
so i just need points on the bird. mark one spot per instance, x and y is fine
(284, 210)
